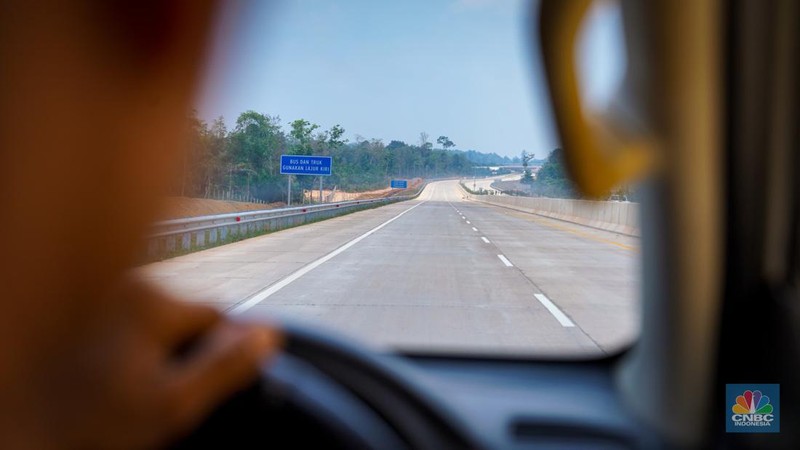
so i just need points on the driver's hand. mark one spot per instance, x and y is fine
(150, 370)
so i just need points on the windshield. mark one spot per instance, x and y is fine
(391, 171)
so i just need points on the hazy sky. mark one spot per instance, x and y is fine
(389, 69)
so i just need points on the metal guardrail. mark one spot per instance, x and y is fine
(175, 236)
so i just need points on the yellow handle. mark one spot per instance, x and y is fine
(597, 157)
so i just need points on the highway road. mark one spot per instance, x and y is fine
(434, 274)
(481, 183)
(486, 183)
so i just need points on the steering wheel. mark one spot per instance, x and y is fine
(326, 392)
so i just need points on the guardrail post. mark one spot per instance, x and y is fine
(201, 238)
(171, 243)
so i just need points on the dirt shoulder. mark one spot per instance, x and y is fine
(180, 207)
(342, 196)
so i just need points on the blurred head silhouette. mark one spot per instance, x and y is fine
(93, 98)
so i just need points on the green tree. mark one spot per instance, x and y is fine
(217, 145)
(255, 147)
(302, 136)
(193, 154)
(423, 141)
(335, 137)
(527, 175)
(394, 145)
(445, 142)
(552, 180)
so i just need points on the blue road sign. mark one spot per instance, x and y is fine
(399, 184)
(306, 165)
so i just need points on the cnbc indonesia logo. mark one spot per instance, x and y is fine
(752, 408)
(753, 411)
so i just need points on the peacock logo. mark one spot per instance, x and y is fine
(753, 408)
(752, 402)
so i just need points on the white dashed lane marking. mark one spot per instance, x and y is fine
(505, 261)
(557, 313)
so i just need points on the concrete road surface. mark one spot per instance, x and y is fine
(435, 274)
(486, 183)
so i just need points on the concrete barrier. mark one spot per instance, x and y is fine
(618, 217)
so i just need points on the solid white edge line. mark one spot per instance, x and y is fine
(262, 295)
(505, 261)
(557, 313)
(484, 239)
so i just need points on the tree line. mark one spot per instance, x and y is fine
(490, 159)
(552, 180)
(245, 161)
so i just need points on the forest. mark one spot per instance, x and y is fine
(245, 161)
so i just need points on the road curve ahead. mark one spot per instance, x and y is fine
(435, 274)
